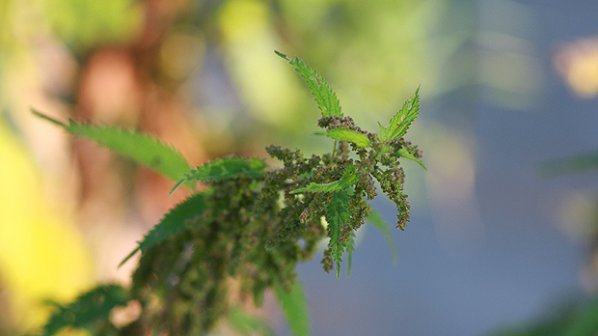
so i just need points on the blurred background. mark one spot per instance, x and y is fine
(494, 245)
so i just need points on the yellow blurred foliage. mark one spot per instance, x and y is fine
(266, 83)
(87, 24)
(577, 63)
(42, 256)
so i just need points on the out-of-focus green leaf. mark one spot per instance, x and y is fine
(247, 324)
(404, 153)
(86, 24)
(577, 164)
(345, 134)
(383, 226)
(568, 320)
(294, 307)
(89, 308)
(585, 323)
(141, 148)
(350, 246)
(322, 92)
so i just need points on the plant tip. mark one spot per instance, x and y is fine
(280, 54)
(176, 186)
(46, 117)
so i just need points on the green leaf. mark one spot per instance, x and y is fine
(576, 164)
(585, 322)
(345, 134)
(338, 215)
(348, 179)
(86, 310)
(404, 153)
(294, 307)
(320, 187)
(247, 324)
(172, 223)
(400, 122)
(350, 248)
(323, 95)
(141, 148)
(383, 226)
(226, 168)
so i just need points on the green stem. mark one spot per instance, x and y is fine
(334, 150)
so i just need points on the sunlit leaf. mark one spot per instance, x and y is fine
(323, 95)
(400, 122)
(345, 134)
(141, 148)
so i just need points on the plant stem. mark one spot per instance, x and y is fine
(334, 150)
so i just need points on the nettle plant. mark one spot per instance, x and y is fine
(245, 232)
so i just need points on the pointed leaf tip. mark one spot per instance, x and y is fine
(142, 148)
(320, 90)
(402, 120)
(47, 118)
(177, 185)
(128, 257)
(282, 55)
